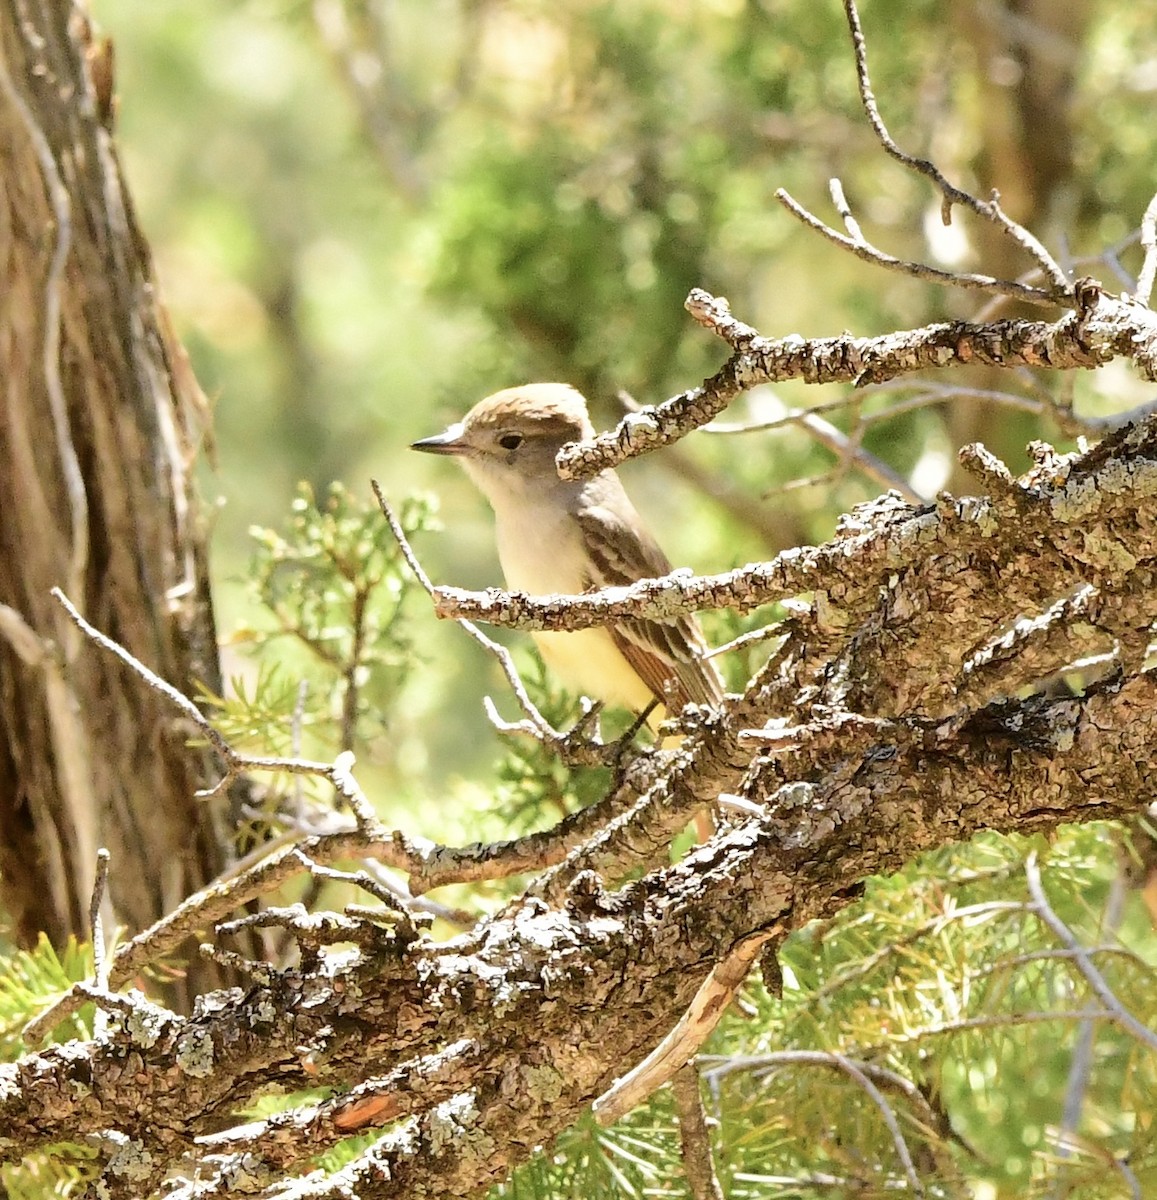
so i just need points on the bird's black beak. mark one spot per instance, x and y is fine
(449, 441)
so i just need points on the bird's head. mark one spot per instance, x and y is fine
(508, 442)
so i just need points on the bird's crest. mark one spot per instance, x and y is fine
(550, 408)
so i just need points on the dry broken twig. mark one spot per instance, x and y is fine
(990, 210)
(694, 1138)
(692, 1029)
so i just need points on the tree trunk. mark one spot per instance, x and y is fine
(99, 425)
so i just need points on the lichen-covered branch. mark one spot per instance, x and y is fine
(560, 999)
(1102, 328)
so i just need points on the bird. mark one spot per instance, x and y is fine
(561, 536)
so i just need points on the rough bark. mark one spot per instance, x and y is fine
(872, 744)
(500, 1038)
(99, 425)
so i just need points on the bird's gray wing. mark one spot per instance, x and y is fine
(667, 655)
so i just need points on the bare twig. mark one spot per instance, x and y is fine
(573, 747)
(927, 394)
(151, 678)
(1144, 289)
(911, 1037)
(969, 281)
(841, 205)
(714, 313)
(1114, 1009)
(100, 965)
(751, 638)
(133, 1004)
(461, 917)
(352, 669)
(539, 723)
(718, 486)
(847, 447)
(1059, 638)
(1081, 1064)
(1129, 1176)
(1102, 328)
(690, 1032)
(428, 864)
(852, 454)
(269, 868)
(95, 922)
(698, 1166)
(862, 1073)
(981, 463)
(361, 879)
(337, 772)
(990, 210)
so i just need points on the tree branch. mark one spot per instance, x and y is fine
(1101, 329)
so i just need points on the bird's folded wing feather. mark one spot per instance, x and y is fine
(667, 655)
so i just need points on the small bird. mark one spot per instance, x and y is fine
(561, 536)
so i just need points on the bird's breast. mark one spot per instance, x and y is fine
(542, 553)
(541, 550)
(587, 661)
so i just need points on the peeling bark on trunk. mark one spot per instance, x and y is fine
(99, 420)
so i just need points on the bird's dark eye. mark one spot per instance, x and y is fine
(510, 441)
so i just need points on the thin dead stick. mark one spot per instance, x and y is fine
(927, 396)
(852, 454)
(461, 917)
(539, 723)
(694, 1138)
(841, 205)
(338, 772)
(888, 1115)
(1100, 329)
(1082, 1061)
(990, 1021)
(1144, 290)
(427, 864)
(863, 249)
(848, 448)
(100, 963)
(575, 747)
(871, 1077)
(82, 993)
(951, 194)
(1113, 1006)
(751, 638)
(716, 1068)
(933, 927)
(690, 1032)
(389, 898)
(95, 921)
